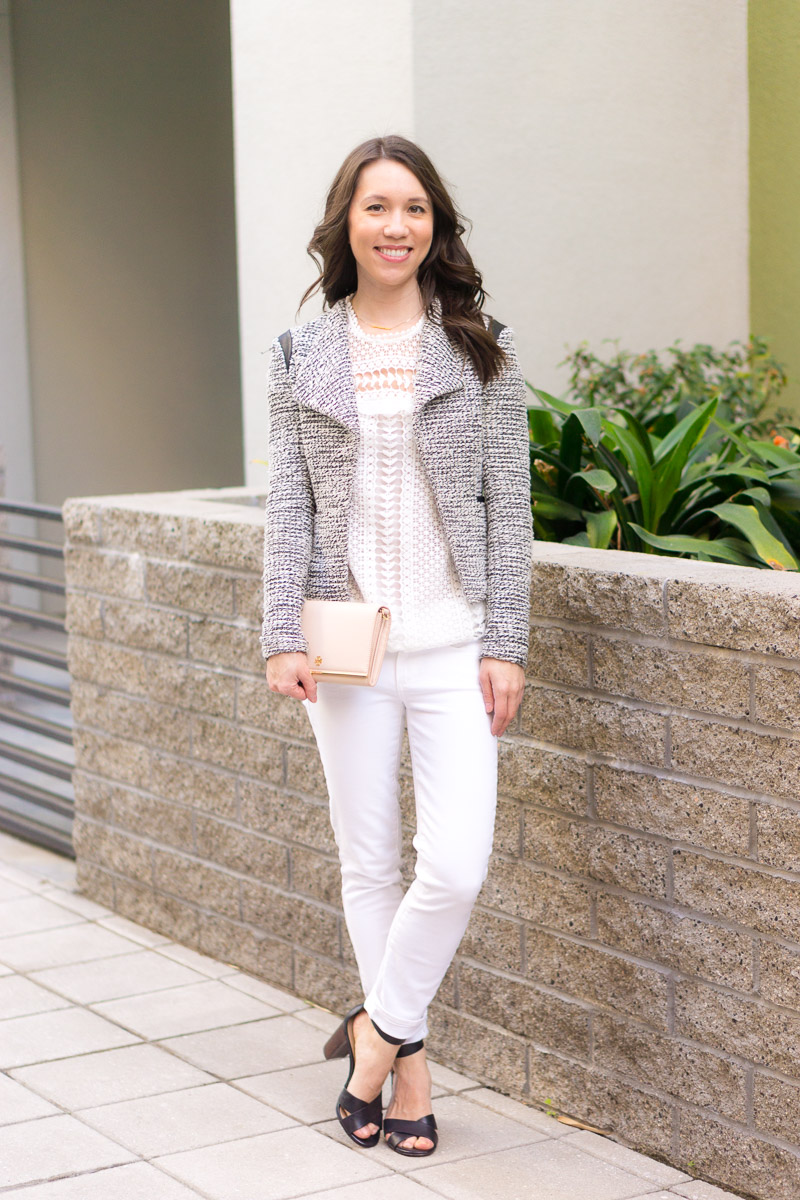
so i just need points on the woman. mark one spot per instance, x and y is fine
(399, 474)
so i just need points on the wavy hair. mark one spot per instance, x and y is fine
(447, 271)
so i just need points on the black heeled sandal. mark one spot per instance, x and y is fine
(398, 1130)
(359, 1112)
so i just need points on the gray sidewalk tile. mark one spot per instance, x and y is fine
(10, 890)
(271, 1045)
(58, 1034)
(610, 1151)
(451, 1080)
(703, 1191)
(20, 997)
(34, 1151)
(76, 902)
(185, 1120)
(561, 1172)
(524, 1113)
(18, 1103)
(116, 977)
(320, 1018)
(187, 1009)
(464, 1130)
(198, 962)
(272, 1166)
(54, 948)
(306, 1093)
(110, 1076)
(136, 933)
(135, 1181)
(265, 991)
(28, 913)
(392, 1187)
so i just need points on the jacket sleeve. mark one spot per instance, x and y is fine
(507, 493)
(289, 517)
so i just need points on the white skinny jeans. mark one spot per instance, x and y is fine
(404, 943)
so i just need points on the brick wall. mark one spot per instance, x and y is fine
(634, 958)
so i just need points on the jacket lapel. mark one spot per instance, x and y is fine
(441, 367)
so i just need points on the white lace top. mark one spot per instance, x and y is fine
(397, 550)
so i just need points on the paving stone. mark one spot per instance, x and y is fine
(187, 1009)
(31, 1151)
(271, 1045)
(77, 903)
(561, 1172)
(185, 1119)
(29, 913)
(111, 978)
(272, 1166)
(525, 1114)
(110, 1076)
(211, 967)
(18, 1103)
(51, 948)
(273, 996)
(136, 933)
(306, 1093)
(703, 1191)
(20, 997)
(397, 1187)
(628, 1160)
(134, 1181)
(57, 1034)
(319, 1018)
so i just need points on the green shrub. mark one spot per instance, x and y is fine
(672, 457)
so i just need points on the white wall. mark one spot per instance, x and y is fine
(598, 146)
(15, 406)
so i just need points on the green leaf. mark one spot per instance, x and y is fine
(746, 519)
(551, 506)
(543, 429)
(639, 463)
(549, 401)
(592, 421)
(600, 527)
(577, 539)
(597, 478)
(682, 543)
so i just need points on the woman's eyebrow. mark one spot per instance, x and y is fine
(411, 199)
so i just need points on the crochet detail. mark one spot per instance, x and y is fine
(397, 550)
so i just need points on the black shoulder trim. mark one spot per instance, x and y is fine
(286, 345)
(495, 328)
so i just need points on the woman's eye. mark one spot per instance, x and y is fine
(418, 207)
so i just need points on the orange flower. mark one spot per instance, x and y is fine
(780, 441)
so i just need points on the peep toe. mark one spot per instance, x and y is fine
(359, 1112)
(398, 1129)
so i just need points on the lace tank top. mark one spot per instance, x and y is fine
(397, 548)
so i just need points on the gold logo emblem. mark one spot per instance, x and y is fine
(318, 661)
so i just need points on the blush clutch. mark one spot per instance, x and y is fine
(346, 640)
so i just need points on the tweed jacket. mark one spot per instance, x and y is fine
(474, 445)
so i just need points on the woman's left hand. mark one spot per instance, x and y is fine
(502, 684)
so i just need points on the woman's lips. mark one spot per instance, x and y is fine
(389, 257)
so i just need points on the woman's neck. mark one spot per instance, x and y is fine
(386, 309)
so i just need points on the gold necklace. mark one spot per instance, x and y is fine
(387, 328)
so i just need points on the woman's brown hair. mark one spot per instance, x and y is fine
(447, 271)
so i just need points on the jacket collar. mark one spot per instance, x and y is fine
(324, 379)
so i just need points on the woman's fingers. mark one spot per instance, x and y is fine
(502, 685)
(289, 674)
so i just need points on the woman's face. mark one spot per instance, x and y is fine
(390, 223)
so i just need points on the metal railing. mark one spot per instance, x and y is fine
(36, 798)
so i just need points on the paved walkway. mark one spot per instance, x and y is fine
(132, 1068)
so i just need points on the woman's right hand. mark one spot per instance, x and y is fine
(289, 674)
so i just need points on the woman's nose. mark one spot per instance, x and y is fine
(395, 225)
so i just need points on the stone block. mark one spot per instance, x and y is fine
(178, 585)
(778, 836)
(685, 1071)
(84, 615)
(222, 744)
(585, 723)
(517, 1006)
(95, 882)
(196, 786)
(686, 678)
(677, 941)
(157, 534)
(227, 542)
(299, 921)
(316, 876)
(240, 850)
(508, 828)
(583, 848)
(779, 973)
(742, 894)
(145, 628)
(464, 1043)
(249, 599)
(92, 795)
(225, 644)
(520, 890)
(777, 697)
(735, 616)
(286, 817)
(119, 852)
(776, 1106)
(81, 521)
(326, 982)
(256, 705)
(738, 1025)
(174, 918)
(598, 597)
(683, 812)
(156, 725)
(111, 757)
(736, 1159)
(545, 777)
(496, 941)
(169, 824)
(105, 571)
(189, 879)
(762, 762)
(248, 949)
(561, 655)
(304, 771)
(594, 976)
